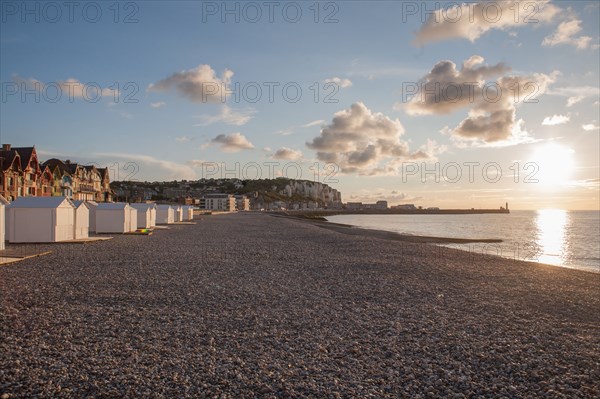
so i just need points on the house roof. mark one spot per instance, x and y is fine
(103, 173)
(54, 163)
(9, 157)
(40, 202)
(26, 153)
(89, 167)
(72, 167)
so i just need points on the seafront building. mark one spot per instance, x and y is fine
(22, 175)
(3, 204)
(242, 203)
(218, 202)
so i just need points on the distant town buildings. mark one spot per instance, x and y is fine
(360, 206)
(22, 175)
(405, 207)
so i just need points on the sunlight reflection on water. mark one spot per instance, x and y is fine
(552, 238)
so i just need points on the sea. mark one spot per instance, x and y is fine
(552, 236)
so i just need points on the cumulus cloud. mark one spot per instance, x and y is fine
(472, 20)
(228, 116)
(200, 84)
(183, 139)
(555, 120)
(233, 142)
(445, 88)
(341, 82)
(159, 104)
(492, 114)
(566, 34)
(589, 127)
(361, 141)
(287, 153)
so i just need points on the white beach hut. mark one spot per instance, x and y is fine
(82, 220)
(3, 203)
(188, 213)
(146, 215)
(92, 205)
(115, 218)
(165, 214)
(153, 215)
(133, 219)
(178, 213)
(40, 219)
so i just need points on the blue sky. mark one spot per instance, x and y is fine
(170, 52)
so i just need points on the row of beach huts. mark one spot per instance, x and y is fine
(57, 219)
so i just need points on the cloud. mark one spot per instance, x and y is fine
(233, 142)
(343, 83)
(285, 132)
(572, 91)
(492, 105)
(575, 94)
(287, 153)
(138, 164)
(290, 130)
(314, 123)
(200, 84)
(159, 104)
(565, 34)
(472, 20)
(228, 116)
(445, 88)
(69, 89)
(588, 127)
(197, 163)
(183, 139)
(361, 141)
(574, 100)
(555, 120)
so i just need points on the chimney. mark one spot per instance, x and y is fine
(5, 147)
(68, 161)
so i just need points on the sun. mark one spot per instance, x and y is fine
(553, 164)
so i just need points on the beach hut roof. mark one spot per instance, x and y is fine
(114, 205)
(143, 206)
(78, 203)
(40, 202)
(164, 206)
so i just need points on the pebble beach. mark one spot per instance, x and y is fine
(249, 305)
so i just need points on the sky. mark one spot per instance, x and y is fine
(440, 104)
